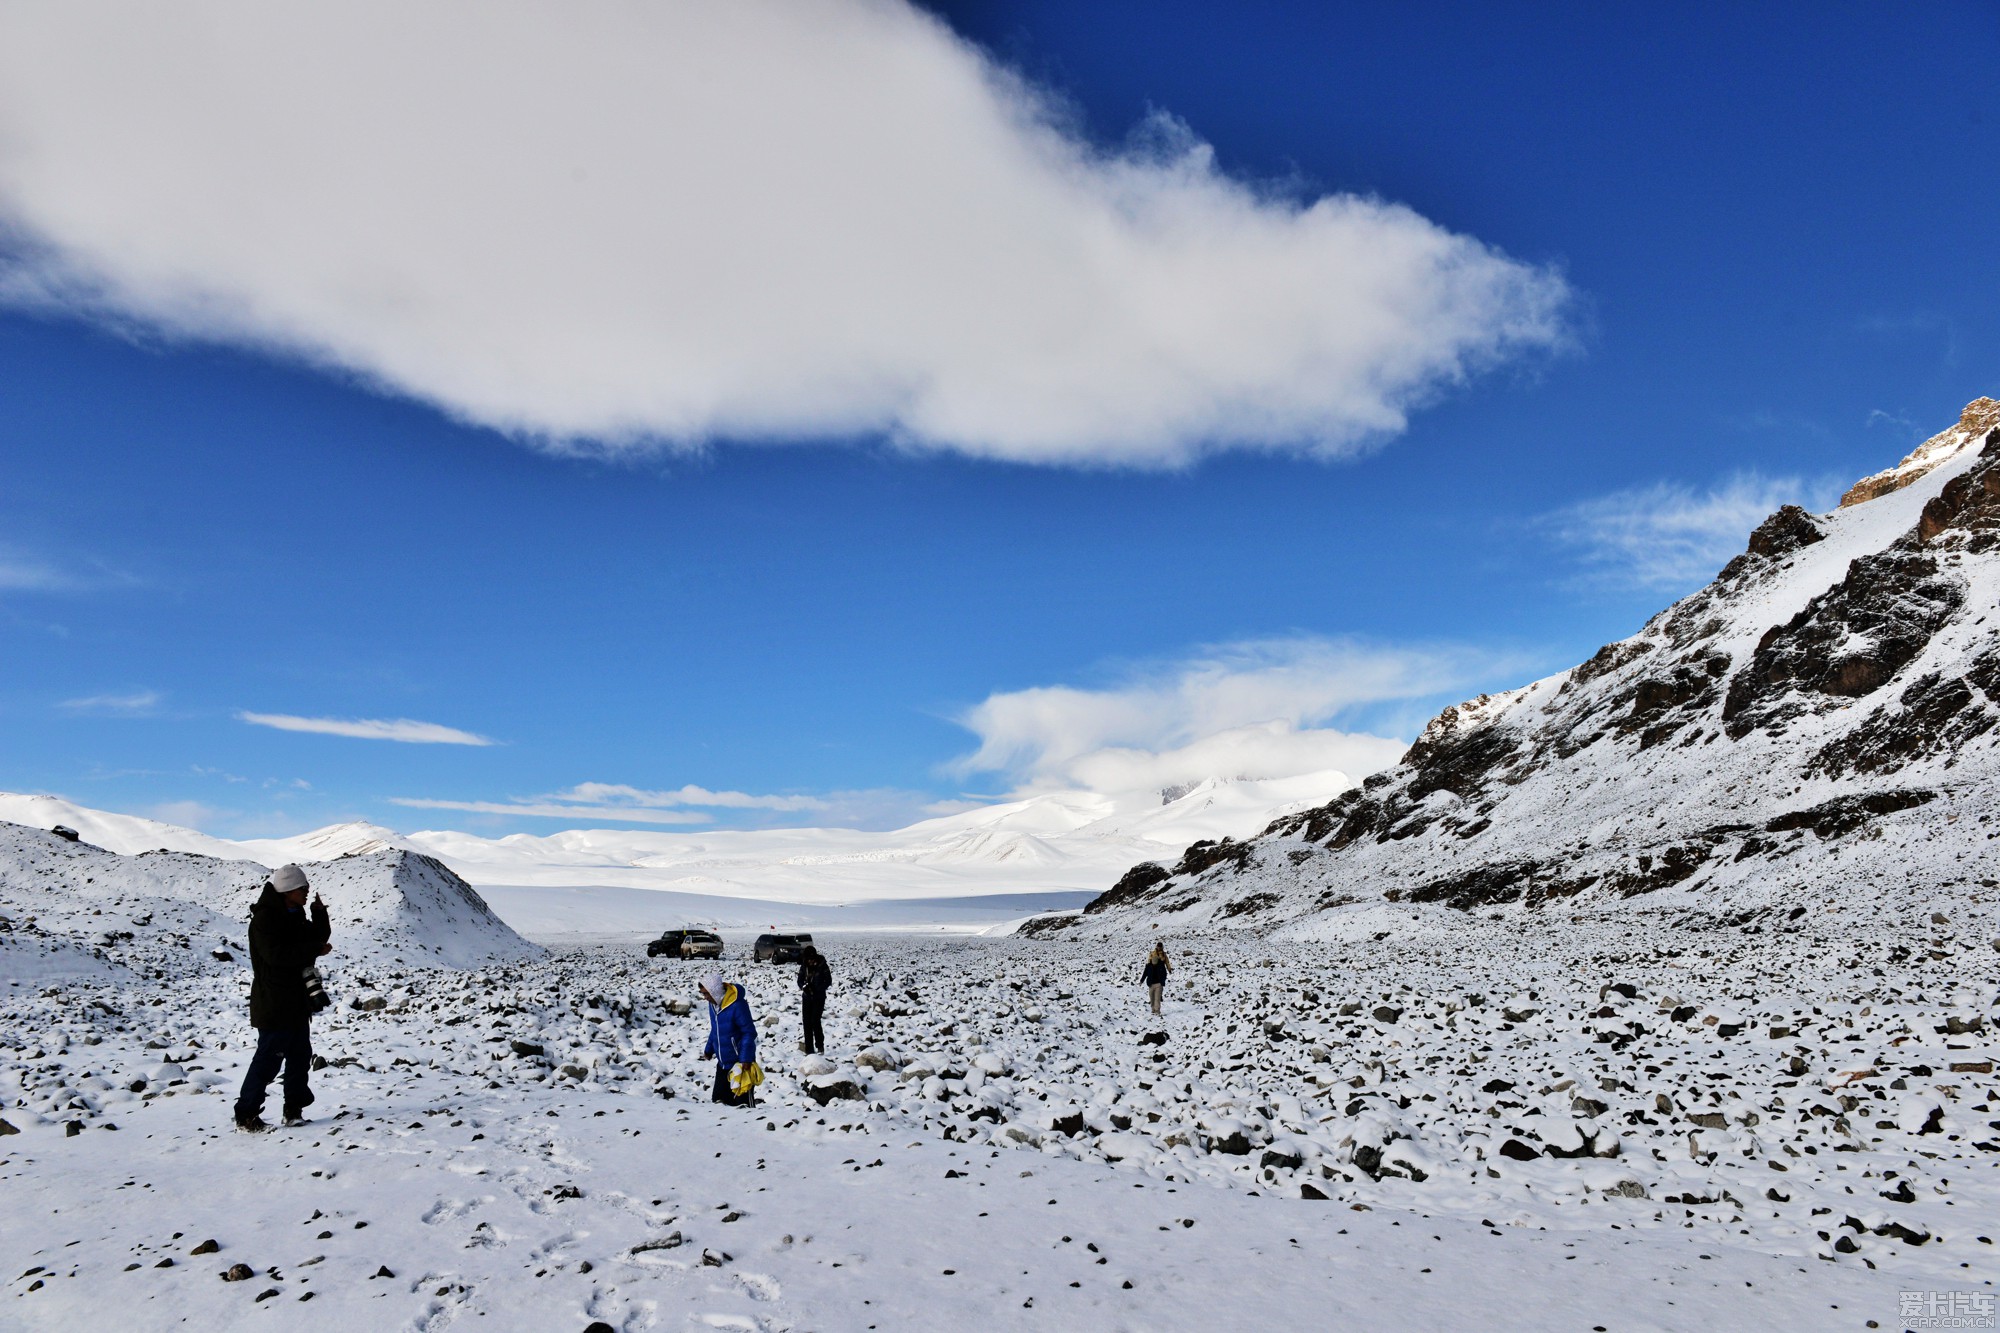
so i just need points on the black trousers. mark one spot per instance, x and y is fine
(287, 1046)
(723, 1093)
(815, 1035)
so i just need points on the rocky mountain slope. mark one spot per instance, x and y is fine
(71, 910)
(1826, 711)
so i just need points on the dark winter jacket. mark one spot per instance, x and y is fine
(732, 1033)
(1155, 973)
(815, 978)
(284, 942)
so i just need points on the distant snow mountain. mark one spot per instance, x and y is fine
(132, 834)
(1827, 708)
(1059, 841)
(71, 909)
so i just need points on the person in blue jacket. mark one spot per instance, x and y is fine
(732, 1038)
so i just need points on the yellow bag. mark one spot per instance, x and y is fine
(743, 1078)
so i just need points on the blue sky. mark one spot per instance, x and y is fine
(1718, 260)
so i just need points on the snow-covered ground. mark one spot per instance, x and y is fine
(1003, 1134)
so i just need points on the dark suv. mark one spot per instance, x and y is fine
(685, 944)
(780, 948)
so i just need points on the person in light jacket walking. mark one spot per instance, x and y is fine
(1155, 974)
(732, 1042)
(285, 945)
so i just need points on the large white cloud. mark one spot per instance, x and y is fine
(628, 224)
(1250, 710)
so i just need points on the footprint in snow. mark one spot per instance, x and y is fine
(436, 1315)
(738, 1323)
(556, 1244)
(446, 1209)
(759, 1286)
(613, 1310)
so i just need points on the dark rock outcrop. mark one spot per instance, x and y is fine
(1848, 642)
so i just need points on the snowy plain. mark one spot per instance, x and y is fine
(527, 1142)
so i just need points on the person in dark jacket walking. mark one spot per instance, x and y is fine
(285, 945)
(1155, 974)
(732, 1042)
(815, 977)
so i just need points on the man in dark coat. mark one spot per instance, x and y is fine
(814, 979)
(285, 944)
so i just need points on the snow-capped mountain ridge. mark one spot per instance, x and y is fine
(1831, 699)
(1052, 841)
(1980, 416)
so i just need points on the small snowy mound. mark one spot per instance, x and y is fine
(414, 909)
(70, 909)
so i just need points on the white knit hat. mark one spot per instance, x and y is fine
(287, 878)
(713, 985)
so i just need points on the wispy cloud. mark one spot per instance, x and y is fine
(20, 572)
(620, 802)
(369, 729)
(24, 570)
(1671, 536)
(617, 794)
(555, 810)
(1896, 421)
(136, 704)
(1257, 709)
(637, 225)
(1932, 327)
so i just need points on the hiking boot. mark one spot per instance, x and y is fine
(293, 1119)
(251, 1124)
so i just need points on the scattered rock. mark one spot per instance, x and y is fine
(840, 1089)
